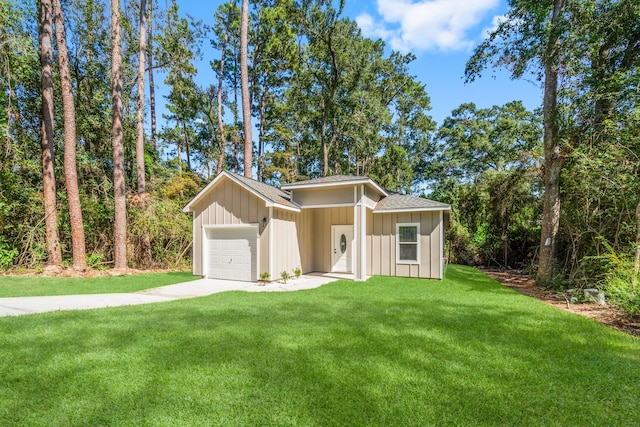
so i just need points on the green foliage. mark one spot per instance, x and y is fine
(161, 229)
(7, 255)
(285, 275)
(615, 276)
(95, 261)
(297, 272)
(264, 276)
(487, 169)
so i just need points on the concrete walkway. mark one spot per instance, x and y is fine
(29, 305)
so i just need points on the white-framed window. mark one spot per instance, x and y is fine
(408, 243)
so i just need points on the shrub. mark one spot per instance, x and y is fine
(7, 256)
(285, 276)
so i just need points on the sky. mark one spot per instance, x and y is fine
(440, 33)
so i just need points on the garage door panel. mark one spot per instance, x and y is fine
(232, 253)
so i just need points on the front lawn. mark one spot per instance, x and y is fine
(387, 352)
(32, 286)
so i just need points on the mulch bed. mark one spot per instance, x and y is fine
(606, 314)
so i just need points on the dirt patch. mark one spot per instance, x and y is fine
(605, 314)
(57, 271)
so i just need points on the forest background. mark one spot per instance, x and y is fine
(553, 192)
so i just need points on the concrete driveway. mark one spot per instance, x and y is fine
(197, 288)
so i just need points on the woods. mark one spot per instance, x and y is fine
(94, 173)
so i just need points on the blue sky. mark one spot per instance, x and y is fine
(440, 33)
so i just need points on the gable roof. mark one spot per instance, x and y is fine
(404, 203)
(272, 196)
(334, 180)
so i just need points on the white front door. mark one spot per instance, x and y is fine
(341, 241)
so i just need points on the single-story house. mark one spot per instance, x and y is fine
(340, 224)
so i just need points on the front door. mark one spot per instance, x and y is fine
(341, 241)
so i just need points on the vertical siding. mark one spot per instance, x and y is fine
(305, 240)
(381, 245)
(229, 203)
(372, 256)
(287, 247)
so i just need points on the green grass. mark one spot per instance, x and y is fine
(31, 286)
(387, 352)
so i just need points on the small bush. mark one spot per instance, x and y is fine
(95, 261)
(7, 256)
(620, 284)
(285, 276)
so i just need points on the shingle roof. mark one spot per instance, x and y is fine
(401, 202)
(274, 194)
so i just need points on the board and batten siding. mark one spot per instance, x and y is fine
(290, 230)
(228, 203)
(381, 244)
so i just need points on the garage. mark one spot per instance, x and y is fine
(232, 252)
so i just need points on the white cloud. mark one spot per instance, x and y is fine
(426, 25)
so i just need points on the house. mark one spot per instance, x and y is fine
(338, 224)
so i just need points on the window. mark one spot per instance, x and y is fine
(407, 239)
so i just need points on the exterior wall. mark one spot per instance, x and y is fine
(319, 243)
(290, 234)
(381, 244)
(323, 196)
(229, 203)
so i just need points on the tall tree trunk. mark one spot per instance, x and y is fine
(244, 82)
(235, 138)
(260, 161)
(552, 153)
(140, 113)
(119, 190)
(54, 253)
(222, 143)
(70, 168)
(636, 266)
(145, 241)
(187, 145)
(152, 89)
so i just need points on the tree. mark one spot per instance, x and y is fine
(54, 254)
(152, 89)
(487, 167)
(119, 189)
(140, 103)
(244, 82)
(70, 168)
(179, 47)
(534, 31)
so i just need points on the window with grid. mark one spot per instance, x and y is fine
(407, 243)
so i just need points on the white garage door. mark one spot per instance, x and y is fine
(232, 253)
